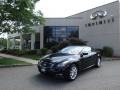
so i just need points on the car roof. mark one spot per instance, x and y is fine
(80, 46)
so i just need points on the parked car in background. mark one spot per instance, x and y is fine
(69, 61)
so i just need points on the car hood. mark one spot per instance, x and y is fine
(60, 57)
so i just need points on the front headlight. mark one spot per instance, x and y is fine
(41, 59)
(40, 62)
(45, 56)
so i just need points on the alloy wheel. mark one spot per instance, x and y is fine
(73, 72)
(99, 62)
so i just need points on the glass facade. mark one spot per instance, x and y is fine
(55, 34)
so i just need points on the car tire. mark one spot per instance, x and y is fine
(71, 73)
(98, 62)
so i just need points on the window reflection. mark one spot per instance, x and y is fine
(55, 34)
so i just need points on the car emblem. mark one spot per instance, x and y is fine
(97, 14)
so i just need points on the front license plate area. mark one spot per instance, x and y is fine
(43, 69)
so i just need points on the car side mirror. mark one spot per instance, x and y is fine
(83, 54)
(49, 52)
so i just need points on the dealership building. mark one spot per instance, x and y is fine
(99, 26)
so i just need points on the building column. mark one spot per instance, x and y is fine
(41, 36)
(32, 41)
(13, 43)
(8, 43)
(21, 42)
(79, 32)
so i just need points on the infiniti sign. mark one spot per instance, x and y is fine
(99, 14)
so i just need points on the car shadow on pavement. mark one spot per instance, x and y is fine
(39, 79)
(87, 71)
(48, 81)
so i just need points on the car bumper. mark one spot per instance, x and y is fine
(50, 70)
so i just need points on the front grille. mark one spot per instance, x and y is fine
(47, 64)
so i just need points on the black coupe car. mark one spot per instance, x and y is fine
(69, 61)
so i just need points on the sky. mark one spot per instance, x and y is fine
(63, 8)
(3, 35)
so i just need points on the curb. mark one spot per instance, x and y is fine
(16, 65)
(19, 58)
(106, 59)
(110, 59)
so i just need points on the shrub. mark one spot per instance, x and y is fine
(72, 41)
(3, 51)
(10, 51)
(38, 51)
(107, 51)
(16, 52)
(77, 41)
(31, 52)
(20, 52)
(63, 44)
(43, 51)
(54, 48)
(50, 44)
(100, 51)
(49, 51)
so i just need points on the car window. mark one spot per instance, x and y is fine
(86, 50)
(71, 50)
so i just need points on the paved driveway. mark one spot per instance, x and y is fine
(27, 78)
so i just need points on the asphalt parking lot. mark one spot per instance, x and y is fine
(28, 78)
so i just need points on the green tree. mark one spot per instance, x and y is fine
(19, 16)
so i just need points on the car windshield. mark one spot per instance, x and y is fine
(71, 50)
